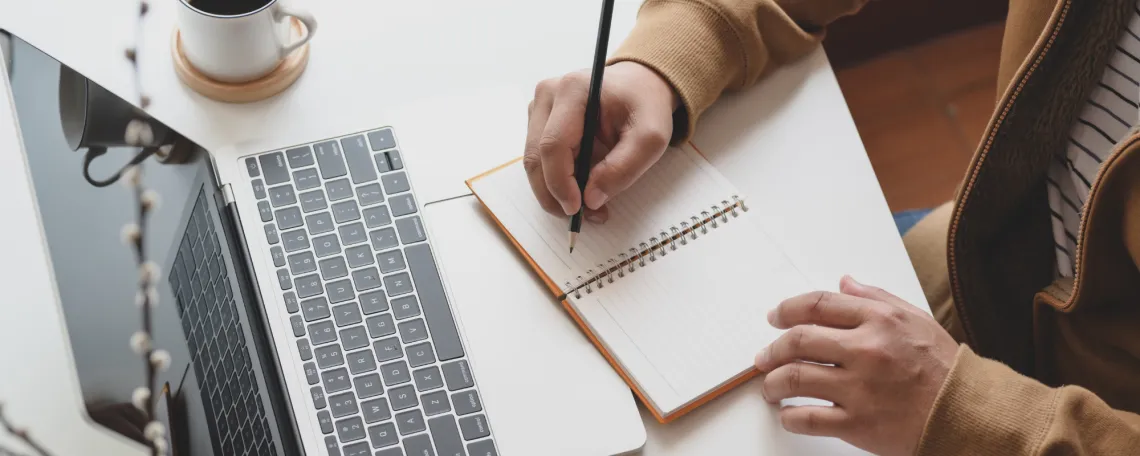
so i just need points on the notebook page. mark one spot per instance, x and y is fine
(680, 185)
(694, 319)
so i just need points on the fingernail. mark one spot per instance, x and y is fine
(567, 209)
(595, 198)
(595, 217)
(772, 317)
(761, 358)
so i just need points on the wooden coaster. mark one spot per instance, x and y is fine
(242, 92)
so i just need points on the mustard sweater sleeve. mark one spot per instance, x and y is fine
(704, 47)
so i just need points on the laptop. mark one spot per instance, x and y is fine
(303, 301)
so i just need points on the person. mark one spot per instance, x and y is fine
(1031, 270)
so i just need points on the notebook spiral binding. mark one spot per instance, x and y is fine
(656, 246)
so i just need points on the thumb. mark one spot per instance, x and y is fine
(635, 152)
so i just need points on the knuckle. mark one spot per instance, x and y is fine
(573, 81)
(794, 378)
(821, 301)
(545, 86)
(548, 144)
(795, 339)
(531, 161)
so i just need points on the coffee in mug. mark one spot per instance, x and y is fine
(237, 41)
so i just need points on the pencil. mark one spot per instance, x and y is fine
(590, 127)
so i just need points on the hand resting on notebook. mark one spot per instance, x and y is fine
(636, 124)
(889, 357)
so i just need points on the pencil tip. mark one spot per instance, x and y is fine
(573, 240)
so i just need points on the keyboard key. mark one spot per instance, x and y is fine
(307, 286)
(376, 217)
(326, 245)
(329, 160)
(342, 404)
(288, 218)
(395, 159)
(466, 402)
(358, 449)
(366, 279)
(352, 234)
(373, 302)
(382, 139)
(402, 397)
(411, 230)
(383, 435)
(388, 349)
(354, 338)
(329, 356)
(333, 268)
(433, 302)
(271, 234)
(338, 189)
(361, 362)
(418, 445)
(410, 422)
(278, 256)
(319, 223)
(395, 183)
(391, 261)
(282, 195)
(346, 314)
(274, 168)
(258, 189)
(359, 159)
(298, 325)
(265, 211)
(474, 427)
(382, 164)
(283, 280)
(302, 263)
(457, 374)
(350, 429)
(375, 410)
(340, 291)
(322, 333)
(368, 386)
(300, 156)
(395, 373)
(318, 397)
(421, 354)
(380, 326)
(402, 205)
(369, 194)
(405, 307)
(306, 179)
(337, 380)
(295, 240)
(482, 448)
(325, 420)
(291, 303)
(358, 256)
(314, 201)
(445, 434)
(304, 349)
(398, 284)
(413, 331)
(345, 211)
(435, 403)
(251, 167)
(427, 378)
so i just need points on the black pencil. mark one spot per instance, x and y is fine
(590, 127)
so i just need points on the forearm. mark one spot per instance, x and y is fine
(704, 47)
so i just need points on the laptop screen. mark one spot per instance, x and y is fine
(221, 394)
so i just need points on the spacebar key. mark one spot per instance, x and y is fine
(433, 302)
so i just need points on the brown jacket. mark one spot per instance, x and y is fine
(1046, 368)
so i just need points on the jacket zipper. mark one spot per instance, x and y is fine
(994, 127)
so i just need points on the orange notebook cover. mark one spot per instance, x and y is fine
(645, 285)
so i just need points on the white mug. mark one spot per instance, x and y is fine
(239, 40)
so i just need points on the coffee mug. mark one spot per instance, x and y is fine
(239, 40)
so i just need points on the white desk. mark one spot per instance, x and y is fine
(456, 79)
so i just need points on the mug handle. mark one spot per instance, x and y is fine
(310, 28)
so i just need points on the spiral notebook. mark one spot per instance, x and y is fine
(674, 289)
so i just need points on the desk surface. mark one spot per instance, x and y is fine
(452, 95)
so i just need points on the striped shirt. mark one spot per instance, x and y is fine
(1108, 115)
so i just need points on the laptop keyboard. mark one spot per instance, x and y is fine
(216, 341)
(382, 356)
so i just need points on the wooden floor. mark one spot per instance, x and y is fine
(921, 112)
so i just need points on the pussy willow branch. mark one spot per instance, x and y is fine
(21, 434)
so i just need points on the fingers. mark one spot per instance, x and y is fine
(819, 308)
(803, 343)
(815, 420)
(561, 138)
(532, 162)
(636, 151)
(803, 380)
(848, 285)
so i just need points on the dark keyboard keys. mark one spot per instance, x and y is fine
(298, 325)
(318, 397)
(336, 380)
(306, 179)
(271, 235)
(258, 189)
(325, 420)
(395, 159)
(326, 245)
(433, 302)
(333, 268)
(322, 333)
(345, 211)
(457, 374)
(391, 261)
(288, 218)
(319, 223)
(282, 195)
(398, 284)
(410, 422)
(382, 164)
(302, 263)
(413, 331)
(304, 349)
(359, 159)
(273, 166)
(347, 314)
(402, 205)
(445, 434)
(388, 349)
(395, 183)
(427, 378)
(466, 402)
(283, 280)
(352, 234)
(382, 139)
(354, 338)
(376, 410)
(395, 373)
(369, 194)
(368, 386)
(411, 230)
(300, 156)
(314, 201)
(420, 354)
(251, 167)
(340, 291)
(380, 326)
(373, 302)
(474, 427)
(383, 239)
(405, 307)
(307, 286)
(358, 256)
(312, 375)
(350, 429)
(361, 362)
(291, 303)
(329, 356)
(265, 210)
(339, 189)
(278, 256)
(402, 397)
(329, 160)
(366, 279)
(342, 404)
(377, 216)
(482, 448)
(295, 240)
(435, 403)
(418, 445)
(383, 435)
(358, 449)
